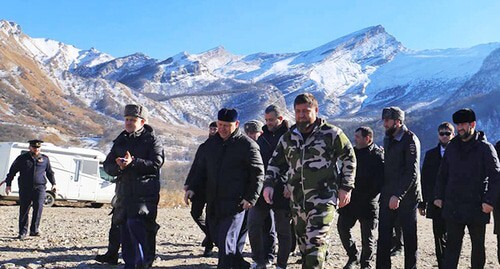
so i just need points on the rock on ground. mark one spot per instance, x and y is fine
(73, 235)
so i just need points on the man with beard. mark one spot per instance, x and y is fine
(401, 189)
(34, 169)
(198, 201)
(232, 173)
(364, 200)
(430, 169)
(466, 188)
(307, 155)
(135, 159)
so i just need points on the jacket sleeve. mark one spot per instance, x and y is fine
(344, 152)
(492, 167)
(411, 168)
(379, 170)
(14, 169)
(50, 173)
(110, 165)
(277, 166)
(427, 193)
(442, 178)
(153, 163)
(192, 170)
(256, 174)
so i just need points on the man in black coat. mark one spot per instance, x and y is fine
(135, 159)
(401, 189)
(34, 170)
(430, 169)
(466, 188)
(364, 200)
(232, 175)
(496, 211)
(198, 201)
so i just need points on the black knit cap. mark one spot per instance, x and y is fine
(464, 115)
(227, 115)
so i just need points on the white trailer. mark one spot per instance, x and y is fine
(78, 172)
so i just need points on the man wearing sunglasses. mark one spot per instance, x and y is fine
(430, 169)
(466, 188)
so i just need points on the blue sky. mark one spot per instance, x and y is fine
(161, 29)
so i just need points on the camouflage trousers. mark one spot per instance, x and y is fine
(312, 227)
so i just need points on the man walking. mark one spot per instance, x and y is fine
(430, 169)
(135, 159)
(307, 154)
(401, 189)
(34, 170)
(466, 188)
(198, 201)
(232, 175)
(364, 200)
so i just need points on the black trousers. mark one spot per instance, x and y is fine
(368, 226)
(454, 244)
(407, 217)
(197, 206)
(114, 239)
(440, 238)
(35, 198)
(229, 239)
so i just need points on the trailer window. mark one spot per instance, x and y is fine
(106, 176)
(90, 168)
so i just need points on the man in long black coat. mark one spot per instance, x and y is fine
(430, 169)
(466, 188)
(135, 159)
(232, 174)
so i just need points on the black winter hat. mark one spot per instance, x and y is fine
(464, 115)
(227, 115)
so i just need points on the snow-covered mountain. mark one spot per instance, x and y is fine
(353, 77)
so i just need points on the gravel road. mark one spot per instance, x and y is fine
(73, 235)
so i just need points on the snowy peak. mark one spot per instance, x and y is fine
(10, 28)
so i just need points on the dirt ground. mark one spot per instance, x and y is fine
(73, 235)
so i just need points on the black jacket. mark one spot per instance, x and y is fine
(267, 143)
(496, 211)
(138, 185)
(199, 192)
(430, 169)
(402, 169)
(231, 172)
(32, 171)
(468, 176)
(368, 183)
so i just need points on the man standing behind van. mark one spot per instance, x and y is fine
(34, 169)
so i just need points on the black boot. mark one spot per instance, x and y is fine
(107, 258)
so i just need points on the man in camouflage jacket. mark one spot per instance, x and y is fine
(307, 154)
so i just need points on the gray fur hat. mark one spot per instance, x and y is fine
(393, 113)
(139, 111)
(253, 126)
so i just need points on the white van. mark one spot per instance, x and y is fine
(78, 172)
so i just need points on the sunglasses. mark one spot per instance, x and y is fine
(444, 133)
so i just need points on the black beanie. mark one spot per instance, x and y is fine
(464, 115)
(227, 115)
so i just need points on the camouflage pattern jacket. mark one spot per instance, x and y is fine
(310, 166)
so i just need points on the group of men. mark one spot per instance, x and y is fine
(282, 184)
(306, 172)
